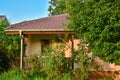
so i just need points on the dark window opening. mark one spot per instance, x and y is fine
(44, 44)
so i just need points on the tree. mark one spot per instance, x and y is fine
(9, 48)
(56, 7)
(97, 22)
(3, 58)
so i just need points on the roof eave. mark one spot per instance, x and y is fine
(50, 31)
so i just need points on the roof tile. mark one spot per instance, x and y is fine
(48, 23)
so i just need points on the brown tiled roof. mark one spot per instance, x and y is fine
(51, 23)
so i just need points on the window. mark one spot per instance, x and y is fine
(44, 44)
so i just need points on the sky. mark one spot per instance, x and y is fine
(23, 10)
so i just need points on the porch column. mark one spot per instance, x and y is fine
(72, 36)
(72, 40)
(21, 51)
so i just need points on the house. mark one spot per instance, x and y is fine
(2, 17)
(41, 32)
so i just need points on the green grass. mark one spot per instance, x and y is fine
(19, 75)
(11, 75)
(16, 74)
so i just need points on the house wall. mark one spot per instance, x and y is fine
(69, 46)
(34, 44)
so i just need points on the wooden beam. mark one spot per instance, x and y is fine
(12, 32)
(40, 32)
(47, 32)
(72, 40)
(72, 36)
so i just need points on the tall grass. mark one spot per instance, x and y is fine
(12, 75)
(17, 74)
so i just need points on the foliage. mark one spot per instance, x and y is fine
(16, 74)
(82, 71)
(3, 58)
(54, 62)
(4, 62)
(9, 47)
(56, 7)
(13, 74)
(54, 65)
(32, 65)
(98, 23)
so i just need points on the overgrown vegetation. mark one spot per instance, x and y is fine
(98, 23)
(95, 21)
(17, 74)
(53, 64)
(13, 74)
(9, 48)
(56, 7)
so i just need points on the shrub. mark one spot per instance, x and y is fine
(54, 61)
(80, 57)
(33, 65)
(54, 65)
(4, 62)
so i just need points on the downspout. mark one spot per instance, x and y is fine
(21, 51)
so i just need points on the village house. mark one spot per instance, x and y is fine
(3, 18)
(39, 33)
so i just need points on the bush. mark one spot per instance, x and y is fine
(54, 62)
(33, 66)
(55, 66)
(80, 57)
(4, 61)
